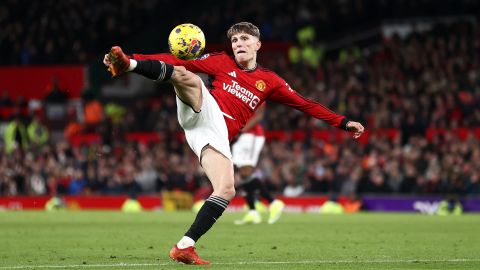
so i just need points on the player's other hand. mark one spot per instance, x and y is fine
(116, 61)
(356, 128)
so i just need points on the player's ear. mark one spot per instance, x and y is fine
(258, 45)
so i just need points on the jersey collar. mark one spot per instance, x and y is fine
(244, 69)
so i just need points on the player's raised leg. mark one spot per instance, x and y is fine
(187, 84)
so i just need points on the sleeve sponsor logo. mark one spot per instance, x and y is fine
(205, 56)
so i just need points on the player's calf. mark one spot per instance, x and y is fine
(187, 85)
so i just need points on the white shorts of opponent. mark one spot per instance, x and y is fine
(246, 150)
(206, 127)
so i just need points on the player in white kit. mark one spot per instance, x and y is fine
(245, 154)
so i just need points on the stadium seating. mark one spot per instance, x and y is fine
(417, 94)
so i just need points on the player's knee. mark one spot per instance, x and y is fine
(230, 193)
(227, 191)
(180, 71)
(182, 75)
(184, 79)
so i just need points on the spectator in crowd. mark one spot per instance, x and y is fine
(5, 100)
(38, 134)
(72, 127)
(15, 135)
(55, 93)
(93, 113)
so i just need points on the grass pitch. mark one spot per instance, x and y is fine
(115, 240)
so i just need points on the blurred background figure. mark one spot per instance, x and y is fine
(16, 137)
(37, 132)
(450, 206)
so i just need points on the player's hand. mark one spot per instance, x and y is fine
(356, 128)
(116, 61)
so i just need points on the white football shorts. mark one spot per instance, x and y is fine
(246, 150)
(206, 127)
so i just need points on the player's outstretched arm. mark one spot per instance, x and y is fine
(287, 96)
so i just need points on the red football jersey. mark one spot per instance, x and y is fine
(240, 92)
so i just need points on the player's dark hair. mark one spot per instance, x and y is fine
(243, 27)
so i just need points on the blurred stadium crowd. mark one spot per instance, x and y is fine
(75, 31)
(428, 80)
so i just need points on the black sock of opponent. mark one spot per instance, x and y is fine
(264, 193)
(250, 189)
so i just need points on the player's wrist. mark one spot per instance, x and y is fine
(344, 124)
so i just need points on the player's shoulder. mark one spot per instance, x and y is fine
(220, 54)
(270, 74)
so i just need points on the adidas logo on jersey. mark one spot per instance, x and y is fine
(233, 74)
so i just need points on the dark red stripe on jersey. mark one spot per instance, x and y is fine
(317, 103)
(333, 115)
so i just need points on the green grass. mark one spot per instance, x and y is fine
(115, 240)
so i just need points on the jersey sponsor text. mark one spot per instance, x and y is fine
(242, 93)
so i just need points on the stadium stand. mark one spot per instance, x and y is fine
(418, 95)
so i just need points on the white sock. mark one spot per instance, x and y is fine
(185, 242)
(133, 64)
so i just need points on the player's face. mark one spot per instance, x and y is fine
(245, 48)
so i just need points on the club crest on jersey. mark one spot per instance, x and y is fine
(260, 85)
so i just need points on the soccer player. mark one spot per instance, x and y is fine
(245, 153)
(211, 118)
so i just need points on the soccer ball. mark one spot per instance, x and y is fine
(186, 41)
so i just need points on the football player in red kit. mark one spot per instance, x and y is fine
(211, 118)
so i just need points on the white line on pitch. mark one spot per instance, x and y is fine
(244, 263)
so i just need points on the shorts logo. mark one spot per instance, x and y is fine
(260, 85)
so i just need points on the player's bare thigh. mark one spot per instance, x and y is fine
(188, 87)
